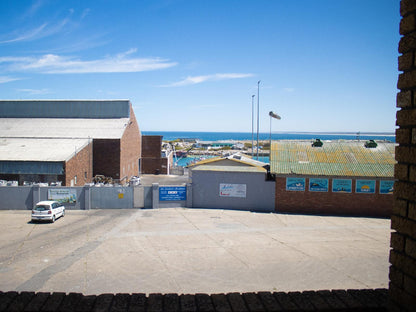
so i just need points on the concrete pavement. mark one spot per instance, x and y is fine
(180, 250)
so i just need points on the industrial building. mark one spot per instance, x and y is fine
(232, 182)
(154, 160)
(69, 141)
(339, 177)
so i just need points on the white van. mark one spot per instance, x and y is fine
(48, 210)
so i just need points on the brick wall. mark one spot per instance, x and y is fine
(154, 165)
(402, 288)
(106, 159)
(131, 148)
(79, 166)
(332, 203)
(151, 145)
(152, 160)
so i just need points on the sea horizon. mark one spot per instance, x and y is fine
(278, 135)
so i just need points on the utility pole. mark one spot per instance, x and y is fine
(258, 114)
(252, 125)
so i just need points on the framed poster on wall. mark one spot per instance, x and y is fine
(295, 184)
(63, 195)
(386, 186)
(318, 185)
(365, 186)
(233, 190)
(341, 185)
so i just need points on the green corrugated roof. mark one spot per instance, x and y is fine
(338, 158)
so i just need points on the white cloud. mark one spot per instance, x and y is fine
(191, 80)
(45, 30)
(35, 91)
(4, 79)
(56, 64)
(289, 90)
(27, 35)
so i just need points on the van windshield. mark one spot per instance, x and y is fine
(42, 207)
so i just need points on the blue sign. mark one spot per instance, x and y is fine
(172, 193)
(295, 184)
(365, 186)
(341, 185)
(318, 185)
(386, 187)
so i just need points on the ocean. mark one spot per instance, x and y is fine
(246, 136)
(242, 136)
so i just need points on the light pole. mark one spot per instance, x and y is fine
(258, 113)
(276, 116)
(252, 125)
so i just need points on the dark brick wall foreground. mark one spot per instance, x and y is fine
(325, 300)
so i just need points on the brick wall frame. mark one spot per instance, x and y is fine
(402, 288)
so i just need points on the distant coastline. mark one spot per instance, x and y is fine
(244, 136)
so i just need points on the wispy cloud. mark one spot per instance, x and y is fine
(43, 30)
(5, 79)
(56, 64)
(35, 91)
(289, 90)
(191, 80)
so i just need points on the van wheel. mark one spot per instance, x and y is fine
(53, 218)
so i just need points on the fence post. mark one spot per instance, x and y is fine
(35, 194)
(155, 195)
(87, 197)
(189, 195)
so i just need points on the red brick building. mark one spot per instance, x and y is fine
(154, 160)
(344, 178)
(68, 140)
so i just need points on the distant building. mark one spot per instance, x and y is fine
(68, 140)
(351, 178)
(154, 159)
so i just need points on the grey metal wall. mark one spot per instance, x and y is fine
(111, 197)
(16, 198)
(260, 194)
(24, 197)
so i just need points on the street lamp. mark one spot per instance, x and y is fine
(276, 116)
(252, 124)
(258, 114)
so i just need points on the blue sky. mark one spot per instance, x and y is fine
(324, 65)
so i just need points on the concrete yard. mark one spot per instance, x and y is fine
(180, 250)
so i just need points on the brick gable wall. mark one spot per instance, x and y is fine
(80, 166)
(130, 149)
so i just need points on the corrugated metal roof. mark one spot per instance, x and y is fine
(230, 168)
(62, 128)
(232, 160)
(12, 149)
(334, 158)
(64, 108)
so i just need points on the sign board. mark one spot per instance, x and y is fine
(295, 184)
(365, 186)
(386, 187)
(172, 193)
(341, 185)
(233, 190)
(318, 185)
(63, 195)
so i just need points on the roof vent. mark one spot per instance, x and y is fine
(317, 143)
(370, 144)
